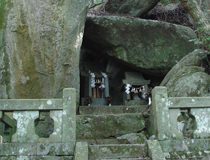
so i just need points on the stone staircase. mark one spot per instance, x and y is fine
(108, 123)
(186, 149)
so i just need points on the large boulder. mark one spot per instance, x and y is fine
(39, 47)
(134, 8)
(187, 79)
(149, 46)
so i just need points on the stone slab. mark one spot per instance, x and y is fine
(185, 145)
(105, 141)
(37, 158)
(155, 151)
(204, 155)
(25, 126)
(30, 104)
(98, 110)
(40, 149)
(81, 151)
(16, 149)
(105, 126)
(174, 114)
(117, 151)
(189, 102)
(202, 122)
(55, 148)
(51, 158)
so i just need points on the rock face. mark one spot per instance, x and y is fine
(39, 45)
(187, 79)
(156, 46)
(133, 8)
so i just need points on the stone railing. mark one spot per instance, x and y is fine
(177, 117)
(25, 142)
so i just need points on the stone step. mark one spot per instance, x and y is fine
(109, 126)
(189, 155)
(147, 158)
(104, 141)
(113, 151)
(190, 145)
(98, 110)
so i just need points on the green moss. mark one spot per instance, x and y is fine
(42, 148)
(2, 11)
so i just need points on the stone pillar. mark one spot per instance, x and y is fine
(69, 115)
(162, 124)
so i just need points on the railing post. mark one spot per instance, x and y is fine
(162, 124)
(69, 115)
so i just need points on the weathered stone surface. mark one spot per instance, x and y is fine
(40, 45)
(186, 79)
(37, 158)
(155, 151)
(185, 145)
(97, 110)
(133, 8)
(81, 151)
(47, 125)
(25, 127)
(33, 149)
(23, 149)
(156, 46)
(105, 126)
(161, 121)
(134, 138)
(69, 115)
(55, 148)
(30, 104)
(117, 151)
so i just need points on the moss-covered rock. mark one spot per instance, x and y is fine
(107, 126)
(133, 8)
(39, 47)
(149, 46)
(134, 138)
(187, 79)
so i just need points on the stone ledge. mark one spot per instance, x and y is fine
(117, 151)
(33, 149)
(30, 104)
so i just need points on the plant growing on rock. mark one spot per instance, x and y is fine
(202, 23)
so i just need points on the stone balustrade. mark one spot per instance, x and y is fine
(170, 112)
(25, 142)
